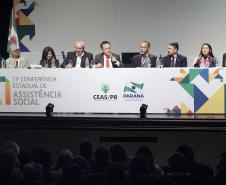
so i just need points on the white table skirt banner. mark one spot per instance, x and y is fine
(164, 90)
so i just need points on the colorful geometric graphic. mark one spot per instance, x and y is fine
(182, 109)
(25, 26)
(203, 104)
(5, 83)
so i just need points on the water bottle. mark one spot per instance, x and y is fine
(159, 63)
(3, 64)
(147, 62)
(87, 63)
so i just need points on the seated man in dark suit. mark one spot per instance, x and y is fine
(145, 59)
(78, 58)
(107, 59)
(173, 59)
(224, 60)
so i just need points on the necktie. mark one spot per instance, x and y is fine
(171, 61)
(107, 62)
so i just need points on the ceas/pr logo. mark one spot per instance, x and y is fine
(4, 91)
(133, 91)
(105, 88)
(105, 95)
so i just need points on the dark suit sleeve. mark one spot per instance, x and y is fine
(120, 62)
(153, 61)
(224, 60)
(213, 63)
(91, 56)
(134, 62)
(66, 60)
(42, 63)
(184, 62)
(57, 63)
(96, 59)
(164, 61)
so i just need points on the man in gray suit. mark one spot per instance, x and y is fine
(78, 57)
(145, 58)
(107, 59)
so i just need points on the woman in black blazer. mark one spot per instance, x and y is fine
(49, 59)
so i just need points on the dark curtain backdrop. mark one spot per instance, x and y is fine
(5, 12)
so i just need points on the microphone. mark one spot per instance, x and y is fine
(113, 59)
(63, 55)
(17, 64)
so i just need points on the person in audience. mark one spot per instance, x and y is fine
(78, 58)
(63, 161)
(43, 157)
(206, 58)
(139, 166)
(154, 168)
(73, 175)
(173, 59)
(32, 173)
(86, 151)
(11, 145)
(198, 170)
(49, 59)
(115, 175)
(15, 59)
(118, 154)
(107, 59)
(9, 171)
(145, 58)
(24, 158)
(102, 157)
(83, 164)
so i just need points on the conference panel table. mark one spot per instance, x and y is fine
(164, 90)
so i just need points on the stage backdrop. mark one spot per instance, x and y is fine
(165, 90)
(125, 23)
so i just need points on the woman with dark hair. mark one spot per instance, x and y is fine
(49, 59)
(206, 58)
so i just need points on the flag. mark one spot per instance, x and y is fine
(134, 87)
(13, 41)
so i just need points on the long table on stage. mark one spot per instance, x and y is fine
(165, 90)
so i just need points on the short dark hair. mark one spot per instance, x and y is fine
(103, 43)
(175, 45)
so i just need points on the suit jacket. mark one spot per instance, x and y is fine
(99, 59)
(136, 60)
(56, 63)
(73, 57)
(22, 63)
(180, 62)
(224, 60)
